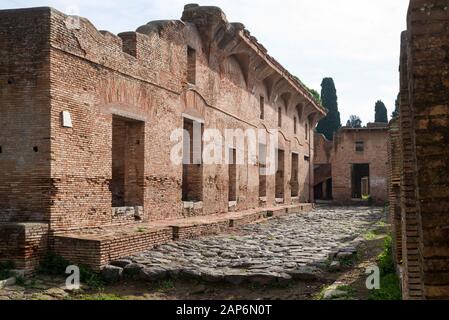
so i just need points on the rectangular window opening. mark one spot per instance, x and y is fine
(191, 65)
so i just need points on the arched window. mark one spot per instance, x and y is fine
(280, 117)
(262, 108)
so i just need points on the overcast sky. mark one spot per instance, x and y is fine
(356, 42)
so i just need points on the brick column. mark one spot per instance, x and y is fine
(428, 72)
(412, 273)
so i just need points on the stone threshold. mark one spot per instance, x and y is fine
(96, 248)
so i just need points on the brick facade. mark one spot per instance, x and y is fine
(337, 159)
(424, 132)
(125, 95)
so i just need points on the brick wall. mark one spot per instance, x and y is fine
(96, 252)
(51, 66)
(344, 156)
(25, 185)
(24, 244)
(423, 124)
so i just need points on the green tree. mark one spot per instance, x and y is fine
(332, 122)
(381, 112)
(354, 122)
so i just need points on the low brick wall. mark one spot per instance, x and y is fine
(97, 250)
(25, 244)
(200, 230)
(248, 219)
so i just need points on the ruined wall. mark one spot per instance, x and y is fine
(25, 185)
(344, 156)
(142, 77)
(425, 131)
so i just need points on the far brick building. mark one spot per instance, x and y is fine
(353, 166)
(419, 154)
(86, 121)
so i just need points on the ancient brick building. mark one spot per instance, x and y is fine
(353, 165)
(86, 133)
(419, 151)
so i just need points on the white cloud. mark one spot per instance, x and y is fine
(354, 41)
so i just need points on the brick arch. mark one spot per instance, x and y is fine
(194, 104)
(235, 69)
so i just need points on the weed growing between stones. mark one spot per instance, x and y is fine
(348, 262)
(166, 284)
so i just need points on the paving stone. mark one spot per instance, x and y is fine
(111, 274)
(152, 274)
(133, 269)
(121, 263)
(294, 246)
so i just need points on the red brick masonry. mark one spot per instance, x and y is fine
(86, 120)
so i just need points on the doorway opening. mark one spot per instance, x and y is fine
(232, 171)
(127, 184)
(294, 180)
(280, 174)
(360, 180)
(262, 170)
(192, 169)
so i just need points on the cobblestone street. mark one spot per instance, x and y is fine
(295, 246)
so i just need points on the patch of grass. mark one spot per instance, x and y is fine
(385, 259)
(53, 265)
(351, 261)
(381, 224)
(166, 284)
(371, 235)
(348, 290)
(20, 281)
(91, 278)
(96, 296)
(390, 288)
(5, 270)
(56, 266)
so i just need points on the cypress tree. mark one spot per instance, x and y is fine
(332, 122)
(381, 112)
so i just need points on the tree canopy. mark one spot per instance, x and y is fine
(381, 112)
(354, 122)
(332, 122)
